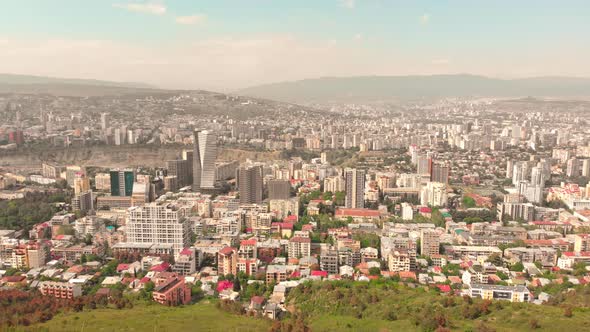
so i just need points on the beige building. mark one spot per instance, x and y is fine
(429, 242)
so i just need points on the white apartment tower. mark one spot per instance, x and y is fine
(159, 223)
(434, 194)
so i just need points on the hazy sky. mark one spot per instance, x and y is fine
(223, 44)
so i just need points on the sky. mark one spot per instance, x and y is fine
(226, 45)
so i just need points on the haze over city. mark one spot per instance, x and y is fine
(227, 45)
(294, 166)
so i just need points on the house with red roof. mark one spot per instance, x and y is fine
(319, 273)
(444, 288)
(285, 229)
(223, 285)
(307, 228)
(407, 275)
(425, 211)
(257, 303)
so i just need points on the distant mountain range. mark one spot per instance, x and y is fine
(28, 79)
(27, 84)
(386, 88)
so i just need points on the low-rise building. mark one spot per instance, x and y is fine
(498, 292)
(60, 290)
(172, 292)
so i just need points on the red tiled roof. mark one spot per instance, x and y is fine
(223, 285)
(578, 254)
(407, 275)
(160, 267)
(291, 218)
(357, 212)
(122, 267)
(227, 250)
(186, 251)
(318, 273)
(444, 288)
(258, 299)
(455, 279)
(19, 278)
(544, 223)
(248, 242)
(301, 239)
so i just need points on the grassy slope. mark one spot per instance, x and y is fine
(199, 317)
(327, 312)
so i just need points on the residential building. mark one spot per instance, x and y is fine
(440, 173)
(429, 242)
(276, 274)
(60, 290)
(102, 181)
(279, 189)
(172, 292)
(401, 260)
(159, 223)
(122, 182)
(299, 247)
(186, 262)
(355, 188)
(227, 259)
(250, 184)
(434, 194)
(498, 292)
(582, 242)
(329, 261)
(180, 169)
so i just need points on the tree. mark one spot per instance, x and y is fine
(468, 202)
(237, 286)
(149, 286)
(374, 271)
(495, 259)
(517, 267)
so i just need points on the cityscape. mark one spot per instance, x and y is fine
(365, 202)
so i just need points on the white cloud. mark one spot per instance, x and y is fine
(424, 19)
(350, 4)
(145, 8)
(357, 36)
(191, 20)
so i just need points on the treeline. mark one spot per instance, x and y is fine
(24, 308)
(33, 208)
(471, 217)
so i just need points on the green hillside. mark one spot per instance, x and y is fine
(346, 306)
(379, 306)
(203, 316)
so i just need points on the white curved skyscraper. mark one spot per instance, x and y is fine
(205, 154)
